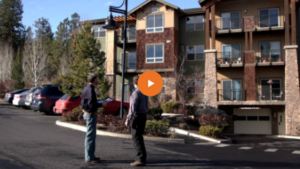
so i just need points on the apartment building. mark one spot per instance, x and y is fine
(247, 48)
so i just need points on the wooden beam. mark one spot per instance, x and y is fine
(251, 40)
(207, 37)
(166, 7)
(294, 29)
(287, 22)
(246, 41)
(213, 26)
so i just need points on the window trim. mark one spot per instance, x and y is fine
(230, 18)
(99, 30)
(154, 8)
(163, 23)
(163, 57)
(195, 53)
(194, 16)
(278, 19)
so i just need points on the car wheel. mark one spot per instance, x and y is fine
(51, 112)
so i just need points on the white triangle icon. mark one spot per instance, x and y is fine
(150, 83)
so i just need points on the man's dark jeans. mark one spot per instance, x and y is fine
(137, 131)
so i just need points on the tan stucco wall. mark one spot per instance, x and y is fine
(226, 74)
(270, 73)
(110, 51)
(168, 15)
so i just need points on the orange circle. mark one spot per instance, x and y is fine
(150, 83)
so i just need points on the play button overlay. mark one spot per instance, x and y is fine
(150, 83)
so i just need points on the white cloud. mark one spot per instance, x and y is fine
(109, 3)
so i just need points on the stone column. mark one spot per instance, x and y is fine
(249, 76)
(210, 85)
(292, 114)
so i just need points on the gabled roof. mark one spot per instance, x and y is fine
(160, 1)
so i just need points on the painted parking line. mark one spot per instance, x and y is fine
(222, 145)
(296, 152)
(245, 148)
(271, 150)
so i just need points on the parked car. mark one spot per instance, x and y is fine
(44, 98)
(68, 103)
(10, 96)
(29, 95)
(19, 99)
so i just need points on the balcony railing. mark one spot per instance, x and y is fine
(270, 56)
(269, 21)
(270, 94)
(230, 58)
(130, 65)
(231, 95)
(229, 24)
(131, 35)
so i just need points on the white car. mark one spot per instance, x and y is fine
(19, 99)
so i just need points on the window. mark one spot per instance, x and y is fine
(131, 32)
(154, 9)
(271, 91)
(64, 97)
(196, 87)
(154, 23)
(270, 51)
(231, 20)
(268, 18)
(265, 118)
(240, 118)
(231, 52)
(99, 31)
(252, 118)
(195, 53)
(130, 60)
(163, 90)
(232, 90)
(155, 53)
(194, 23)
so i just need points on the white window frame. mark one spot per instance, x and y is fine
(278, 18)
(195, 53)
(163, 56)
(153, 11)
(186, 23)
(98, 31)
(154, 28)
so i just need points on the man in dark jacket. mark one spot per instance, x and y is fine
(138, 115)
(90, 106)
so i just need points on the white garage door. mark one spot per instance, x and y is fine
(252, 121)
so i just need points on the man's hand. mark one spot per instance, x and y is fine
(104, 103)
(126, 123)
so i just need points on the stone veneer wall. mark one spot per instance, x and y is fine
(249, 76)
(292, 113)
(170, 49)
(112, 80)
(210, 84)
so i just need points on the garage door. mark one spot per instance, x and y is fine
(252, 121)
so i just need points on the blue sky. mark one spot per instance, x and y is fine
(57, 10)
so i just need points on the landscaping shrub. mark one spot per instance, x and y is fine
(165, 97)
(155, 112)
(213, 120)
(210, 131)
(183, 126)
(192, 121)
(156, 128)
(169, 106)
(73, 115)
(115, 123)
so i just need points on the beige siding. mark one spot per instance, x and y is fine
(169, 15)
(110, 51)
(270, 73)
(226, 74)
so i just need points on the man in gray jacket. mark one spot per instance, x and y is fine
(138, 115)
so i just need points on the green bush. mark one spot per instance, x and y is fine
(210, 131)
(156, 128)
(155, 112)
(169, 106)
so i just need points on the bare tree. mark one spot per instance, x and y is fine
(6, 64)
(34, 60)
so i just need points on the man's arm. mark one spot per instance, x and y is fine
(133, 106)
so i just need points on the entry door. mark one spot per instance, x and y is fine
(281, 124)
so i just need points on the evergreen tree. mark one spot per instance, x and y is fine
(74, 23)
(17, 72)
(88, 60)
(11, 27)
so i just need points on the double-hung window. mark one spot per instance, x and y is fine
(155, 23)
(195, 52)
(155, 53)
(99, 31)
(194, 23)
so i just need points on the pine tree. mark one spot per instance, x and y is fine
(17, 72)
(88, 60)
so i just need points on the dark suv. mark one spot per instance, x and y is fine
(44, 98)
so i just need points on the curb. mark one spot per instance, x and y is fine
(288, 137)
(183, 132)
(110, 134)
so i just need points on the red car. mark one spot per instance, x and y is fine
(67, 103)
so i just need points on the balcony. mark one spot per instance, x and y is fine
(130, 65)
(131, 35)
(269, 22)
(270, 94)
(230, 59)
(274, 57)
(229, 25)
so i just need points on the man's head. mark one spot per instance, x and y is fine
(93, 79)
(135, 80)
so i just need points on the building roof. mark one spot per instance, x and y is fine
(160, 1)
(95, 21)
(121, 18)
(193, 11)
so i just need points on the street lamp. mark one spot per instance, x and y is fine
(111, 24)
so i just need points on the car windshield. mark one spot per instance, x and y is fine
(74, 98)
(64, 97)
